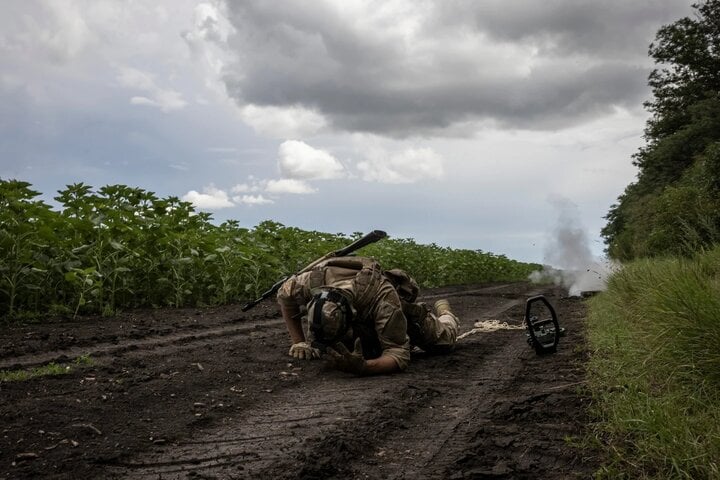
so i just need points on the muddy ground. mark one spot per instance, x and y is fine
(211, 393)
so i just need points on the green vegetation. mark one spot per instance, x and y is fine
(50, 370)
(434, 266)
(121, 247)
(655, 368)
(674, 207)
(655, 371)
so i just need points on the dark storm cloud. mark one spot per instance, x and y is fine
(614, 28)
(427, 67)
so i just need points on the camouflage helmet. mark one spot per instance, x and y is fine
(329, 317)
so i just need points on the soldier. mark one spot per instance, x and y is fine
(352, 302)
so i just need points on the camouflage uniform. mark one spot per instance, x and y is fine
(386, 320)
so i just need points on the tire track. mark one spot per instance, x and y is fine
(263, 437)
(146, 345)
(429, 442)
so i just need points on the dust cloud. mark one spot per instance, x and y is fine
(569, 261)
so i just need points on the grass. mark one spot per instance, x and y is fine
(52, 369)
(654, 372)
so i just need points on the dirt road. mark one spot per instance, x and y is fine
(211, 393)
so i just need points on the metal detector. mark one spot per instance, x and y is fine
(543, 332)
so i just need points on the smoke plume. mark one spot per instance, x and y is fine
(568, 259)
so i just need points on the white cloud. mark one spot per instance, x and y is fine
(253, 186)
(275, 187)
(208, 36)
(164, 99)
(407, 166)
(283, 122)
(252, 200)
(212, 198)
(289, 185)
(298, 160)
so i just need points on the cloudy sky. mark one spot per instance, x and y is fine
(459, 122)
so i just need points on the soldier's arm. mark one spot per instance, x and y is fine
(382, 364)
(291, 315)
(391, 327)
(344, 360)
(289, 296)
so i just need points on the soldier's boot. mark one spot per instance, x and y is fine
(442, 308)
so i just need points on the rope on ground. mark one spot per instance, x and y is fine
(490, 326)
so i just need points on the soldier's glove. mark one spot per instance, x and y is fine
(303, 351)
(340, 358)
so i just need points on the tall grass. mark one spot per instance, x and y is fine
(655, 371)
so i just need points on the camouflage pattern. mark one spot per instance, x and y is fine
(380, 315)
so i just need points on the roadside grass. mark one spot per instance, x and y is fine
(654, 372)
(52, 369)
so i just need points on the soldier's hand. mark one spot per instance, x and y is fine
(303, 351)
(340, 358)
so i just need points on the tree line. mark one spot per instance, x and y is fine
(674, 206)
